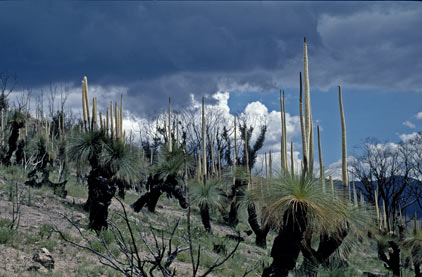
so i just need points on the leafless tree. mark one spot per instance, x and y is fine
(386, 169)
(8, 84)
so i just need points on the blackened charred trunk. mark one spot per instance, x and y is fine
(157, 187)
(121, 186)
(12, 142)
(287, 244)
(232, 217)
(154, 196)
(20, 153)
(418, 272)
(58, 188)
(237, 192)
(205, 217)
(102, 191)
(327, 246)
(393, 261)
(260, 233)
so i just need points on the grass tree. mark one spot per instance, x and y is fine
(16, 122)
(413, 243)
(111, 162)
(207, 197)
(299, 207)
(164, 177)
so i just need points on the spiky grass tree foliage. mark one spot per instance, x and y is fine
(165, 177)
(123, 162)
(207, 198)
(299, 207)
(413, 243)
(87, 146)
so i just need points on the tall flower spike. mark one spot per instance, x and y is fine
(307, 98)
(204, 151)
(302, 128)
(343, 143)
(321, 164)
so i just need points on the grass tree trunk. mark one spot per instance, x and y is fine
(102, 191)
(205, 217)
(328, 244)
(12, 142)
(417, 267)
(261, 232)
(287, 244)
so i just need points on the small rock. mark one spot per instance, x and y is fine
(44, 257)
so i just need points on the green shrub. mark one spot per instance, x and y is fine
(46, 230)
(6, 235)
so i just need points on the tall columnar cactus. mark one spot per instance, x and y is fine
(321, 164)
(302, 127)
(266, 166)
(343, 143)
(204, 147)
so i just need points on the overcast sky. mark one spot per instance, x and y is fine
(149, 51)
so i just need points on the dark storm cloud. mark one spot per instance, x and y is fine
(161, 49)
